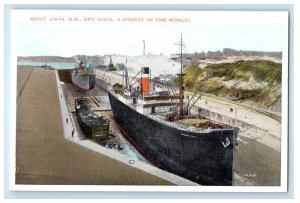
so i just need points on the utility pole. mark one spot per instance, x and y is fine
(144, 47)
(181, 82)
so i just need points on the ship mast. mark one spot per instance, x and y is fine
(181, 82)
(126, 76)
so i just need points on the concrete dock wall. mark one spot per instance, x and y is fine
(109, 78)
(70, 131)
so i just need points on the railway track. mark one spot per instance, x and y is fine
(274, 115)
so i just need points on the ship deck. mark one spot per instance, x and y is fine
(199, 123)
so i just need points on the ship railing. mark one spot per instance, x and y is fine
(155, 101)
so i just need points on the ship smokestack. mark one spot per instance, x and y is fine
(145, 81)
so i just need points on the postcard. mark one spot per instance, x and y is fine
(111, 100)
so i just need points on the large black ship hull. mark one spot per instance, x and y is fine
(199, 157)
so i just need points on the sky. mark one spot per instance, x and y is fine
(126, 38)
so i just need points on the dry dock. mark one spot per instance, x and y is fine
(43, 156)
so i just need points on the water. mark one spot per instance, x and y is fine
(131, 152)
(55, 65)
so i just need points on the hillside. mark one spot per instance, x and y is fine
(45, 58)
(255, 82)
(228, 52)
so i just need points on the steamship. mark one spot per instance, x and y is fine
(83, 77)
(158, 125)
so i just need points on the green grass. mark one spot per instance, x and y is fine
(259, 69)
(209, 80)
